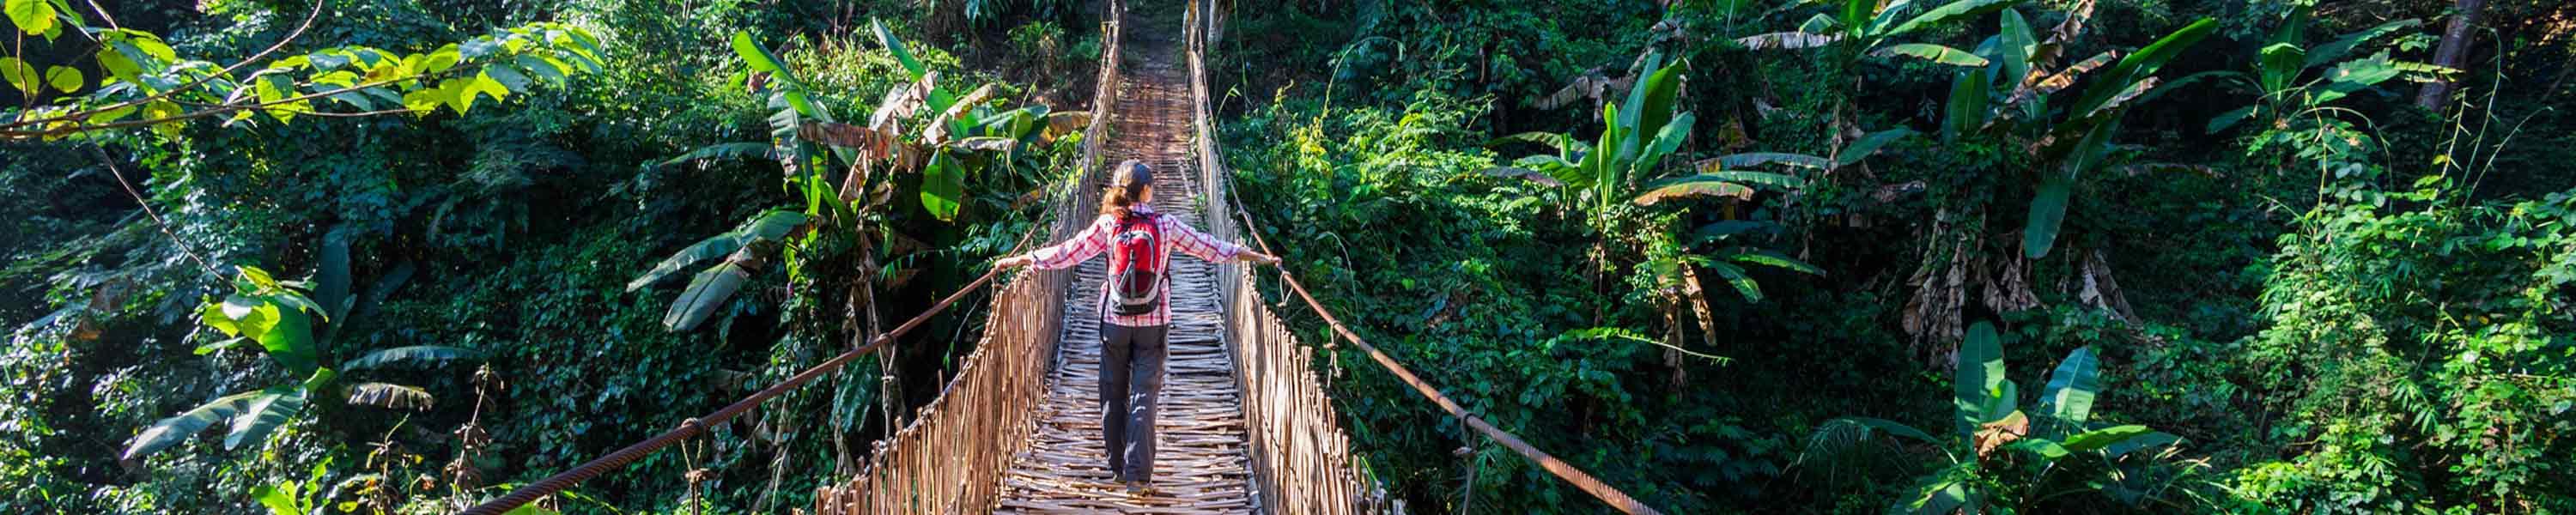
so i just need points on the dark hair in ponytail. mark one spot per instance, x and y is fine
(1132, 179)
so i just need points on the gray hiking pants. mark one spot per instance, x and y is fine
(1131, 381)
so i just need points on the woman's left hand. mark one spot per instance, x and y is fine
(1013, 262)
(1260, 258)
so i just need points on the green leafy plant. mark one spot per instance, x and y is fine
(278, 318)
(1866, 27)
(960, 135)
(147, 83)
(1992, 440)
(2015, 97)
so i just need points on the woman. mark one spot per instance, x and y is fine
(1135, 308)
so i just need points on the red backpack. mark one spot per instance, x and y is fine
(1135, 267)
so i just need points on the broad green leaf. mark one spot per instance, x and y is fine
(291, 342)
(175, 429)
(2137, 66)
(263, 414)
(65, 79)
(1953, 11)
(2046, 450)
(1933, 53)
(2150, 440)
(1966, 111)
(20, 75)
(2047, 214)
(943, 187)
(1979, 374)
(391, 396)
(2355, 75)
(1945, 498)
(707, 292)
(2100, 438)
(1735, 277)
(1752, 159)
(895, 46)
(32, 17)
(2229, 119)
(2072, 387)
(1893, 428)
(1651, 103)
(1868, 144)
(1770, 258)
(278, 501)
(2016, 43)
(2280, 64)
(1666, 141)
(331, 274)
(408, 355)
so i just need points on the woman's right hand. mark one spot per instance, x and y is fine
(1013, 262)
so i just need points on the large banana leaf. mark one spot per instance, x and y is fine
(1650, 106)
(1752, 159)
(2015, 45)
(1966, 111)
(2342, 46)
(1933, 53)
(2100, 438)
(1867, 145)
(771, 225)
(2057, 187)
(291, 342)
(943, 186)
(2072, 387)
(705, 293)
(262, 414)
(1953, 11)
(408, 355)
(1979, 377)
(2144, 63)
(389, 395)
(170, 431)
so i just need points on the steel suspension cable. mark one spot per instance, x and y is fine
(1581, 480)
(695, 426)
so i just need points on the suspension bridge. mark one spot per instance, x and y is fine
(1245, 426)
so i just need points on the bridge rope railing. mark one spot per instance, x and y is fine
(1300, 457)
(1303, 454)
(699, 425)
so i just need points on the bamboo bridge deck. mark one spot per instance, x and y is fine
(1200, 465)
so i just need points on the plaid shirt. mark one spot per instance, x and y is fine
(1095, 240)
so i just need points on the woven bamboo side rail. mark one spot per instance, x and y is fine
(947, 460)
(951, 457)
(1300, 457)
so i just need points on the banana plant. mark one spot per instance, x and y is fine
(2290, 77)
(959, 135)
(1867, 27)
(1990, 433)
(277, 318)
(2015, 96)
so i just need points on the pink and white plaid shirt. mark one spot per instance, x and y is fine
(1095, 240)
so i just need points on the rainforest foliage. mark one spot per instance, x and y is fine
(2048, 256)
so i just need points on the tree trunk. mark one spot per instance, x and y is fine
(2453, 52)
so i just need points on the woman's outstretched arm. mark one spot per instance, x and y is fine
(1208, 247)
(1093, 241)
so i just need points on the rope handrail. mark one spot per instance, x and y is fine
(1566, 471)
(694, 426)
